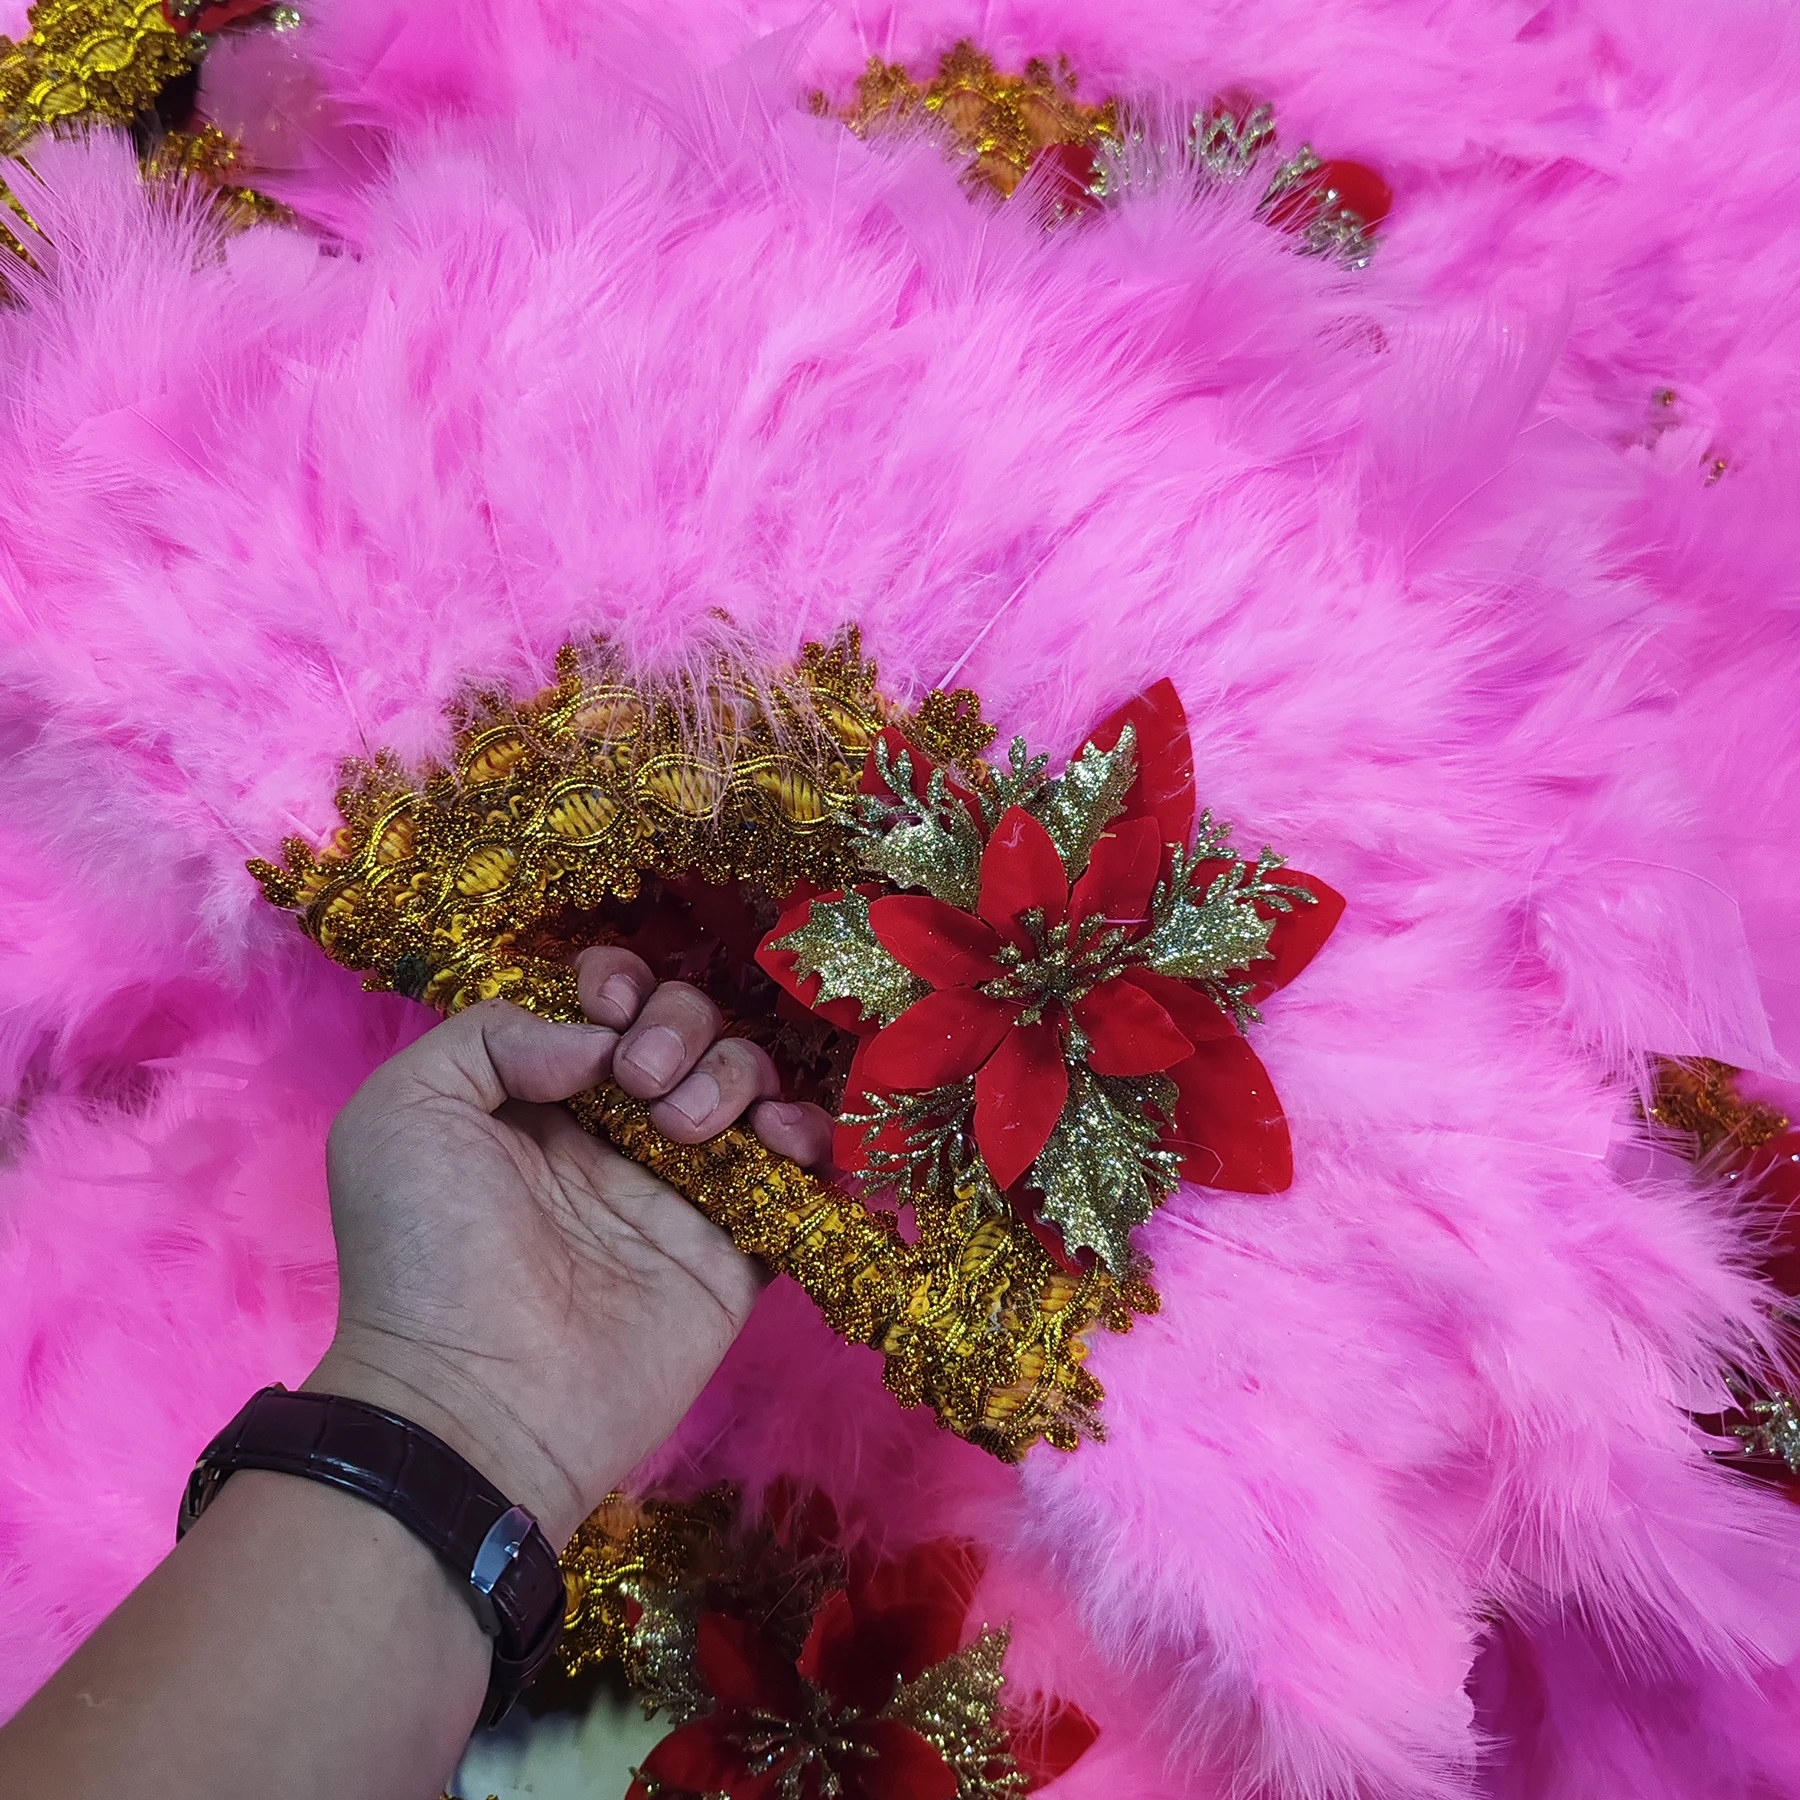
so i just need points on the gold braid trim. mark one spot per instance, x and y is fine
(87, 59)
(480, 879)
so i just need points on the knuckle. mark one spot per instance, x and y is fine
(689, 1005)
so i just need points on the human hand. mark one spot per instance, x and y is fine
(543, 1304)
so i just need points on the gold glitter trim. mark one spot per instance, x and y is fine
(1698, 1097)
(1001, 122)
(452, 888)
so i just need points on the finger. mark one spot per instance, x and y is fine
(796, 1129)
(613, 984)
(672, 1032)
(731, 1076)
(495, 1051)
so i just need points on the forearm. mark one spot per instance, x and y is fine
(297, 1645)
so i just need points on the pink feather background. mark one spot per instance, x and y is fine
(603, 333)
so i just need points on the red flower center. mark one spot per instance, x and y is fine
(814, 1751)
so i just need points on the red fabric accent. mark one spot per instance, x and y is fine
(1196, 1016)
(1026, 1203)
(1771, 1175)
(904, 1766)
(1298, 935)
(1131, 1034)
(1062, 180)
(782, 966)
(743, 1671)
(919, 1603)
(214, 17)
(943, 945)
(1360, 190)
(695, 1756)
(834, 1658)
(922, 765)
(1164, 789)
(1229, 1128)
(1019, 1095)
(943, 1038)
(847, 1148)
(1021, 870)
(1047, 1742)
(1121, 874)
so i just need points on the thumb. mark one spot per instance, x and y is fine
(495, 1052)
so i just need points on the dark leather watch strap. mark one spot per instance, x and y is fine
(493, 1549)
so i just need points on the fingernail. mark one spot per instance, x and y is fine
(658, 1054)
(779, 1112)
(697, 1099)
(617, 1000)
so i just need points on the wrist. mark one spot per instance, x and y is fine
(430, 1389)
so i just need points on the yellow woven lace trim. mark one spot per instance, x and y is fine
(478, 879)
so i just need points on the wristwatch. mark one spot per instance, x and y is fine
(494, 1551)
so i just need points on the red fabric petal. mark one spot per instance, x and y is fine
(904, 1766)
(922, 765)
(848, 1150)
(1197, 1016)
(915, 1606)
(947, 947)
(696, 1756)
(1358, 189)
(1164, 789)
(1298, 935)
(1229, 1128)
(1121, 874)
(1046, 1743)
(1019, 1095)
(832, 1658)
(937, 1040)
(1020, 871)
(783, 966)
(1130, 1033)
(214, 16)
(743, 1670)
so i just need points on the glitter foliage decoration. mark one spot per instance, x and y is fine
(1697, 1105)
(791, 1664)
(1031, 131)
(1050, 979)
(678, 822)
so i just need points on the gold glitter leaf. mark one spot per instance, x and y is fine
(1085, 798)
(931, 843)
(1101, 1172)
(954, 1706)
(838, 945)
(1202, 939)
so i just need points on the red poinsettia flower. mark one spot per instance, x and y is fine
(812, 1724)
(202, 16)
(1032, 977)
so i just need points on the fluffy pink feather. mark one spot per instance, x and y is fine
(611, 337)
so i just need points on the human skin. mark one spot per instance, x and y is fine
(541, 1303)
